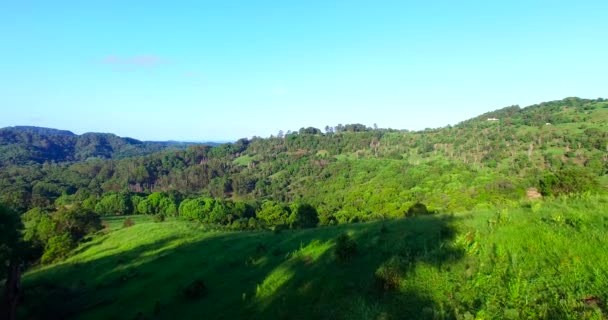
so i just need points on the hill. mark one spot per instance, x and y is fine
(26, 144)
(542, 260)
(510, 203)
(353, 172)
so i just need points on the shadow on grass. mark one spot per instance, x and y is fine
(64, 290)
(251, 275)
(356, 289)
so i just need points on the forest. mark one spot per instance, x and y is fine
(61, 193)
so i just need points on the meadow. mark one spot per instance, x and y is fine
(545, 259)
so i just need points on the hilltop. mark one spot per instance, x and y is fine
(28, 144)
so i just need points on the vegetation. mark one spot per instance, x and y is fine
(540, 260)
(24, 144)
(456, 207)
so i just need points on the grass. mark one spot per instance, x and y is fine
(244, 160)
(544, 260)
(113, 223)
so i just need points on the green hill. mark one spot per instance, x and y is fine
(340, 172)
(500, 216)
(28, 144)
(543, 260)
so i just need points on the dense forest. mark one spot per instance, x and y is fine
(59, 184)
(25, 145)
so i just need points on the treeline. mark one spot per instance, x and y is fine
(233, 213)
(51, 233)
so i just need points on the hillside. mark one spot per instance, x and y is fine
(542, 260)
(26, 144)
(353, 172)
(511, 203)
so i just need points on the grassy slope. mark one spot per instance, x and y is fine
(540, 261)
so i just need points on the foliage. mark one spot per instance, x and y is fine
(24, 144)
(389, 274)
(567, 180)
(56, 233)
(303, 216)
(346, 248)
(545, 261)
(57, 247)
(10, 227)
(417, 209)
(273, 213)
(114, 203)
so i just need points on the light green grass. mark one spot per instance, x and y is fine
(113, 223)
(244, 160)
(545, 260)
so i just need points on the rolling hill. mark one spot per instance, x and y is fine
(28, 144)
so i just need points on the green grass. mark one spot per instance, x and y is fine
(243, 160)
(113, 223)
(544, 260)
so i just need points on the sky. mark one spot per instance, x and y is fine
(224, 70)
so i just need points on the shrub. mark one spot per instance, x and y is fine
(303, 216)
(195, 289)
(388, 275)
(57, 248)
(346, 248)
(383, 229)
(128, 223)
(417, 209)
(159, 217)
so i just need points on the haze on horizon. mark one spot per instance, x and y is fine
(204, 71)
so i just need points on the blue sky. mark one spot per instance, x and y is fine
(222, 70)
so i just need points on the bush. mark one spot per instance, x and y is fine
(128, 223)
(346, 248)
(388, 275)
(195, 289)
(159, 217)
(303, 216)
(57, 248)
(567, 180)
(417, 209)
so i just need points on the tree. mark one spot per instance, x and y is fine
(38, 227)
(417, 209)
(11, 249)
(76, 221)
(57, 248)
(273, 213)
(198, 208)
(114, 204)
(303, 216)
(571, 179)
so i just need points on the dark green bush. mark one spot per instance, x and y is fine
(57, 248)
(388, 275)
(417, 209)
(195, 289)
(346, 248)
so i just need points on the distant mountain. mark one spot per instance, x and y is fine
(29, 144)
